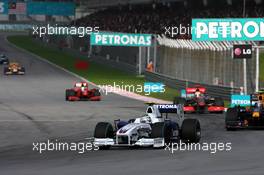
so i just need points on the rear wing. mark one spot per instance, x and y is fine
(167, 108)
(194, 89)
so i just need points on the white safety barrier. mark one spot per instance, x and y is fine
(199, 45)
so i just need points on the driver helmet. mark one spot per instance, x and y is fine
(145, 120)
(84, 86)
(197, 93)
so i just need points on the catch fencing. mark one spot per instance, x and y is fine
(208, 63)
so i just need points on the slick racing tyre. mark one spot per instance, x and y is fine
(162, 130)
(23, 70)
(69, 93)
(191, 131)
(219, 102)
(179, 100)
(97, 92)
(104, 130)
(5, 70)
(231, 117)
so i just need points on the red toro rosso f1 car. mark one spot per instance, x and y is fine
(196, 100)
(80, 92)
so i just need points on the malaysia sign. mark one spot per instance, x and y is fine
(37, 8)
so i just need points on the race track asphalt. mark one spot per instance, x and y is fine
(33, 109)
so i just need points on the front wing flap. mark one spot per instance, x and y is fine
(143, 142)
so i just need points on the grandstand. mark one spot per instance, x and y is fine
(150, 18)
(175, 57)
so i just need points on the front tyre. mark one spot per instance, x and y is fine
(97, 92)
(231, 117)
(104, 130)
(69, 93)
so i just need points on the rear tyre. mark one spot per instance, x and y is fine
(162, 130)
(231, 117)
(219, 102)
(23, 70)
(5, 70)
(191, 131)
(69, 93)
(97, 92)
(179, 100)
(104, 130)
(6, 62)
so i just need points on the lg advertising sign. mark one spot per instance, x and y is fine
(242, 51)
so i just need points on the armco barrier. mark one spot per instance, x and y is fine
(216, 91)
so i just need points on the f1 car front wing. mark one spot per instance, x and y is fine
(144, 142)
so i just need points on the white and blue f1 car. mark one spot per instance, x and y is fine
(162, 124)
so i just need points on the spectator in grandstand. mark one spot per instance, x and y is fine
(147, 19)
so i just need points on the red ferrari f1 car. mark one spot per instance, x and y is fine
(196, 100)
(80, 92)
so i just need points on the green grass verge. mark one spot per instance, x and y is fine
(97, 73)
(261, 66)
